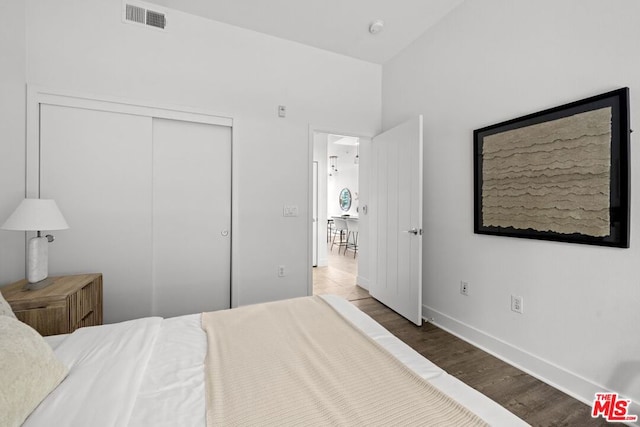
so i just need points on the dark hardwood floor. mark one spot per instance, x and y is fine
(529, 398)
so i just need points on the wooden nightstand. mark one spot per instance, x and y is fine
(69, 303)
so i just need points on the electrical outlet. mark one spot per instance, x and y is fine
(464, 288)
(517, 304)
(281, 271)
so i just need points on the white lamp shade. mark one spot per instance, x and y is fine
(36, 215)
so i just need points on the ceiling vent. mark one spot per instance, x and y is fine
(134, 13)
(156, 19)
(138, 13)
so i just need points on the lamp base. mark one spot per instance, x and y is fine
(38, 285)
(37, 259)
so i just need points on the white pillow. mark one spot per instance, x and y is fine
(29, 371)
(5, 308)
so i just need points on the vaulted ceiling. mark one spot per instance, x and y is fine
(340, 26)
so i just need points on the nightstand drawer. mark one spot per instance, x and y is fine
(51, 320)
(69, 303)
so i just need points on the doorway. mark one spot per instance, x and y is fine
(338, 225)
(390, 215)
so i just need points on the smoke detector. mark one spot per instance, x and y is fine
(376, 26)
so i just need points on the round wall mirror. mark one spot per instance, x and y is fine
(345, 199)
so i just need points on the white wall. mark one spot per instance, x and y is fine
(12, 135)
(488, 62)
(82, 45)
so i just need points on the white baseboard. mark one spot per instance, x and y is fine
(323, 262)
(574, 385)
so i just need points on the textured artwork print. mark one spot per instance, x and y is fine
(559, 174)
(552, 176)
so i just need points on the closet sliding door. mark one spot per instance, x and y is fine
(191, 217)
(148, 202)
(97, 166)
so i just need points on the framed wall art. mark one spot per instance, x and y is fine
(560, 174)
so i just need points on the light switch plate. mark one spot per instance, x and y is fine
(290, 210)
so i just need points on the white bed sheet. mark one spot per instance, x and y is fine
(168, 388)
(106, 367)
(55, 340)
(172, 392)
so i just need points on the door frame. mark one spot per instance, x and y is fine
(314, 213)
(313, 129)
(37, 96)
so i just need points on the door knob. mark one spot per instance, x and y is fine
(414, 231)
(225, 233)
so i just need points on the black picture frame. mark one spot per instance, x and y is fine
(619, 187)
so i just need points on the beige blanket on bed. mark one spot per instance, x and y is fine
(298, 362)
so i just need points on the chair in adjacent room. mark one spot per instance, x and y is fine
(342, 231)
(352, 236)
(330, 229)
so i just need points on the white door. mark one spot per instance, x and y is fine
(148, 203)
(396, 219)
(191, 217)
(97, 166)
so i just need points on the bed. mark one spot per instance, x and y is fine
(150, 372)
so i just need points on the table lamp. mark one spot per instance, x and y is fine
(37, 215)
